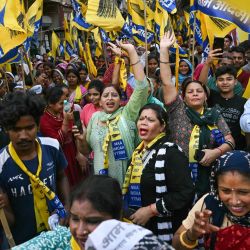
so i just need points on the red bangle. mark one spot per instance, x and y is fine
(152, 210)
(221, 153)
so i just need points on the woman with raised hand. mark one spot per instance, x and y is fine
(158, 187)
(56, 123)
(222, 217)
(111, 133)
(201, 132)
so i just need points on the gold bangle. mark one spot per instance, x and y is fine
(164, 62)
(133, 64)
(184, 244)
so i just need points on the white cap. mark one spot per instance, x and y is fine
(114, 234)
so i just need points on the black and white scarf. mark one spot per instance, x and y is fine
(164, 223)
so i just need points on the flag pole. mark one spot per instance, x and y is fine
(104, 48)
(84, 46)
(194, 28)
(146, 37)
(30, 69)
(3, 72)
(22, 67)
(6, 228)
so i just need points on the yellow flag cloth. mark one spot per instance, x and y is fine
(113, 136)
(134, 172)
(78, 94)
(246, 93)
(13, 15)
(92, 68)
(177, 64)
(55, 44)
(215, 27)
(81, 49)
(34, 14)
(11, 39)
(74, 244)
(68, 42)
(40, 205)
(104, 14)
(98, 40)
(40, 191)
(122, 73)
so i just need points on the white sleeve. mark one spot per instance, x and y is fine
(245, 118)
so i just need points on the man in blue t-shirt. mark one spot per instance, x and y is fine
(19, 116)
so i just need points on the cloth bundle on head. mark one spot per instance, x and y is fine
(11, 75)
(37, 64)
(114, 234)
(19, 85)
(61, 75)
(37, 89)
(62, 66)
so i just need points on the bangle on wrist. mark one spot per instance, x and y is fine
(229, 143)
(188, 237)
(221, 153)
(154, 213)
(185, 244)
(133, 64)
(164, 62)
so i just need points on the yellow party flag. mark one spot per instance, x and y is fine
(91, 66)
(104, 14)
(13, 25)
(246, 93)
(136, 17)
(68, 42)
(12, 15)
(34, 16)
(55, 43)
(81, 49)
(98, 41)
(122, 73)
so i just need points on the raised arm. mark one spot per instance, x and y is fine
(134, 60)
(169, 89)
(117, 65)
(209, 62)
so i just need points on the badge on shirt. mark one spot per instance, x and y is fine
(119, 150)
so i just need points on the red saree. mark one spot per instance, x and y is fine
(50, 126)
(235, 237)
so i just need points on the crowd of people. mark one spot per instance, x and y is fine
(166, 154)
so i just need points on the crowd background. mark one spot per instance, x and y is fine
(152, 94)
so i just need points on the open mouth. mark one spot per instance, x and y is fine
(143, 132)
(110, 104)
